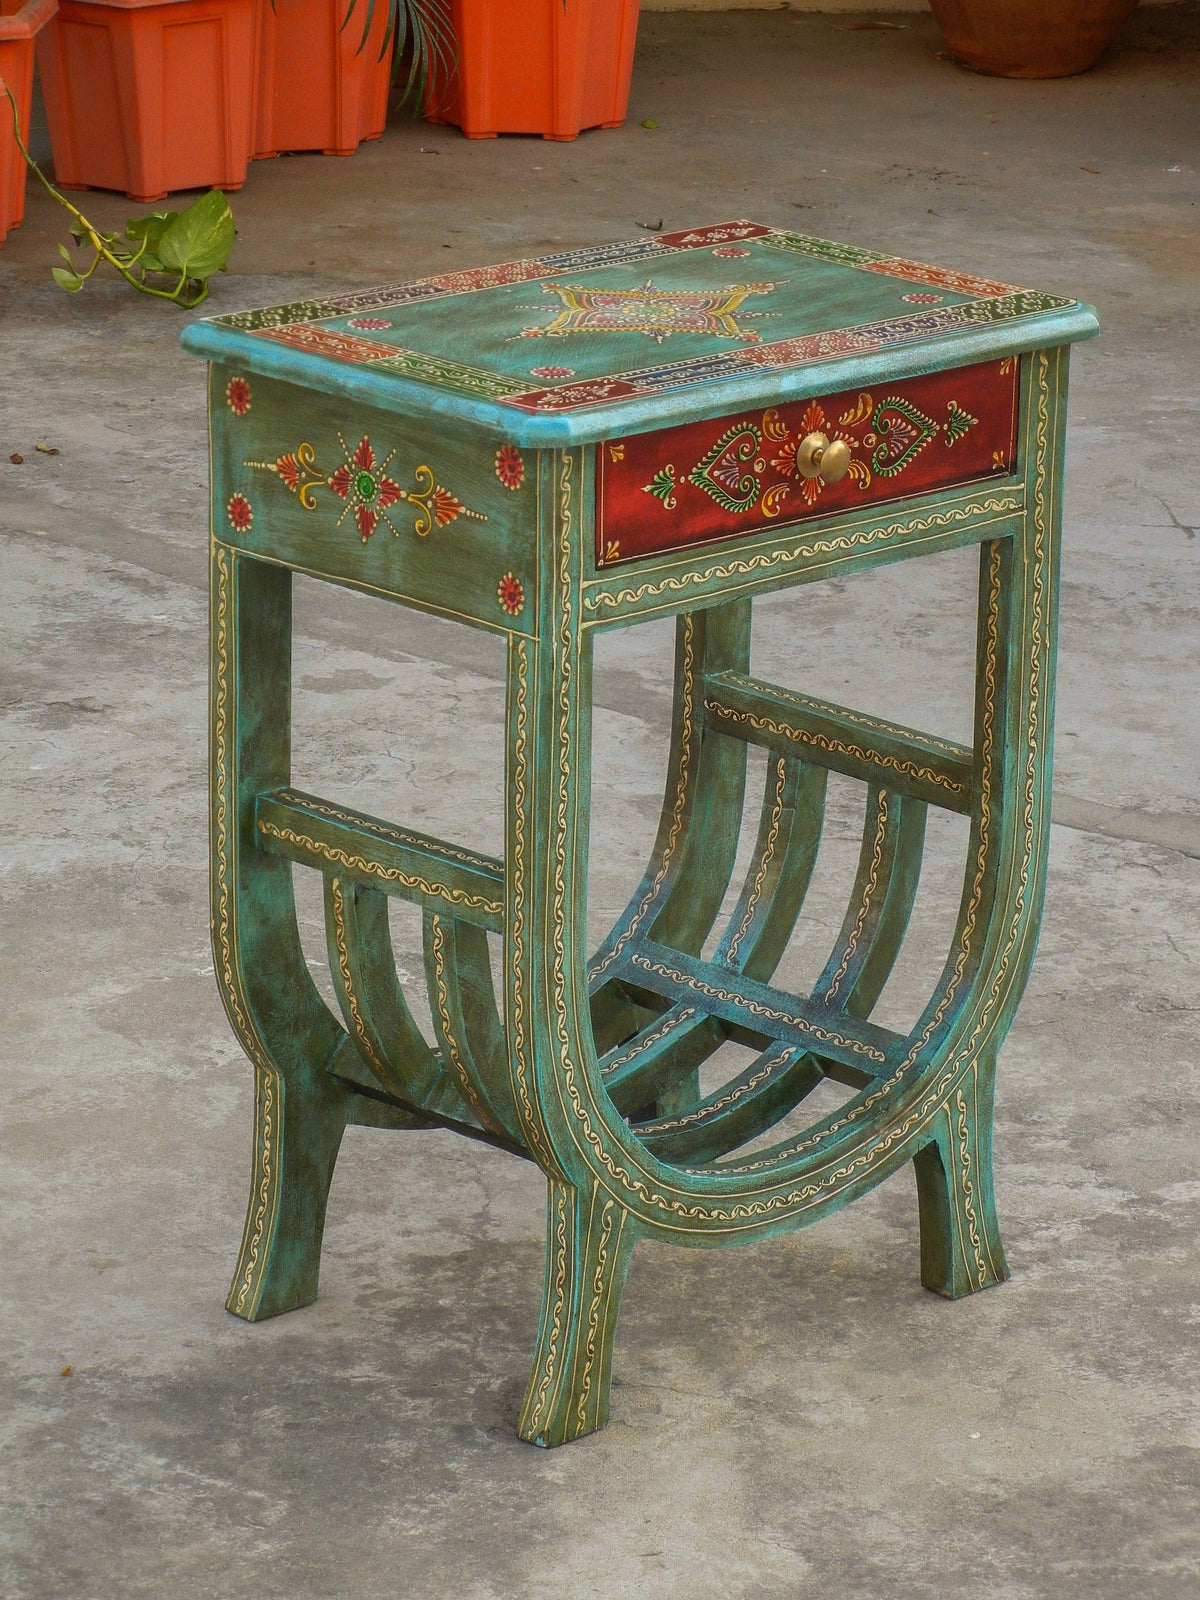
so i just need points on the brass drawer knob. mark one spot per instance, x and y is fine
(818, 457)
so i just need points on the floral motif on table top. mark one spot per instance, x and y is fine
(657, 313)
(923, 299)
(552, 372)
(369, 324)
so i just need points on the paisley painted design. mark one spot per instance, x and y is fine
(712, 480)
(723, 471)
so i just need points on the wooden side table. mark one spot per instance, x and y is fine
(548, 448)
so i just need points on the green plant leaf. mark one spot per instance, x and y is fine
(424, 37)
(149, 226)
(192, 244)
(197, 242)
(149, 229)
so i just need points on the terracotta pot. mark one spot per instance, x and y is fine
(1030, 38)
(316, 89)
(149, 96)
(537, 66)
(19, 27)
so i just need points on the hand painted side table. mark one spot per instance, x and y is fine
(553, 447)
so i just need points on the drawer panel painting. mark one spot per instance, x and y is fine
(740, 474)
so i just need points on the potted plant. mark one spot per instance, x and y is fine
(20, 23)
(152, 96)
(149, 96)
(551, 67)
(339, 98)
(1028, 38)
(347, 48)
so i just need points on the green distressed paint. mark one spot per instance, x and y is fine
(589, 1064)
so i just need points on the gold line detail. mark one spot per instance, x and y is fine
(453, 1049)
(518, 1066)
(821, 741)
(732, 997)
(267, 1084)
(608, 599)
(606, 1226)
(641, 1045)
(362, 1036)
(558, 1242)
(868, 897)
(706, 1113)
(373, 869)
(682, 784)
(808, 702)
(968, 1188)
(384, 830)
(764, 861)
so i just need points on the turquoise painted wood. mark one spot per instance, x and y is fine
(449, 445)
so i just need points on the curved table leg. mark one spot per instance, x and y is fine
(961, 1249)
(283, 1024)
(589, 1244)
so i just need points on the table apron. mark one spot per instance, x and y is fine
(994, 511)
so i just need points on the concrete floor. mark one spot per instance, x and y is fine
(794, 1419)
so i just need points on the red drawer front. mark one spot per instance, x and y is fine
(737, 475)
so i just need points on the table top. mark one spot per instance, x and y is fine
(623, 338)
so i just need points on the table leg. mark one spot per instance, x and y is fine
(589, 1243)
(961, 1249)
(274, 1007)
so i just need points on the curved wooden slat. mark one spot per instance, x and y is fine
(363, 968)
(746, 1106)
(470, 1034)
(646, 1070)
(780, 870)
(690, 866)
(889, 870)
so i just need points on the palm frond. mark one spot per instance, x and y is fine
(423, 36)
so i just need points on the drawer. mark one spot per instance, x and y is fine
(741, 474)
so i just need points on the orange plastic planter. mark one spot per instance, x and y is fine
(148, 96)
(316, 89)
(19, 26)
(538, 66)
